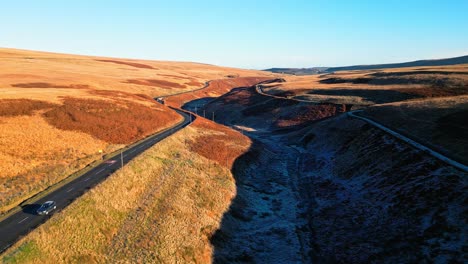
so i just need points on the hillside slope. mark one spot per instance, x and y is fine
(162, 207)
(338, 190)
(60, 113)
(418, 63)
(373, 198)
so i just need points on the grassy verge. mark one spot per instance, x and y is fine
(35, 197)
(161, 207)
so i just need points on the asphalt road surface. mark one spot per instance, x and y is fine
(21, 223)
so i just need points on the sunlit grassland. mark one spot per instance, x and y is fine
(161, 207)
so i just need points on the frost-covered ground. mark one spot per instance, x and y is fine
(262, 224)
(376, 199)
(335, 191)
(351, 194)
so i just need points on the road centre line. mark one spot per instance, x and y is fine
(23, 220)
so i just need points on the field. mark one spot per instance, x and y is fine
(161, 207)
(58, 112)
(362, 88)
(65, 75)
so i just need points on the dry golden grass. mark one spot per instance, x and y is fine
(68, 72)
(376, 86)
(36, 155)
(80, 93)
(162, 207)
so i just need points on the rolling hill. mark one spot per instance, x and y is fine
(418, 63)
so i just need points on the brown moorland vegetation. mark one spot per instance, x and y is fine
(121, 95)
(307, 113)
(375, 86)
(35, 155)
(162, 207)
(117, 123)
(32, 161)
(417, 102)
(91, 102)
(194, 83)
(215, 88)
(246, 107)
(224, 146)
(18, 107)
(41, 70)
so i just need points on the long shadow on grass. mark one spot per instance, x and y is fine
(229, 240)
(375, 95)
(259, 225)
(197, 104)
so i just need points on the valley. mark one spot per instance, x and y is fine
(267, 173)
(338, 177)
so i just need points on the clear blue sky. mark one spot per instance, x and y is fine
(242, 33)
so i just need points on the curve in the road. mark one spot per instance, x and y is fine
(430, 151)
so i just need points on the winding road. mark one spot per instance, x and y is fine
(26, 219)
(413, 143)
(354, 114)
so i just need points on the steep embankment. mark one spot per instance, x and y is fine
(338, 190)
(372, 197)
(246, 107)
(213, 90)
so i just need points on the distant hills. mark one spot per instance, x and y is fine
(419, 63)
(298, 71)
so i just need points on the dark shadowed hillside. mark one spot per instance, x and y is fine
(418, 63)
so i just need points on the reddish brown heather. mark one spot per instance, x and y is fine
(306, 114)
(121, 123)
(17, 107)
(223, 148)
(216, 88)
(50, 85)
(157, 83)
(113, 94)
(133, 64)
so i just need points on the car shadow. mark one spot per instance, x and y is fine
(30, 208)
